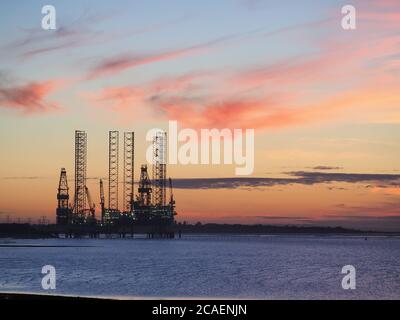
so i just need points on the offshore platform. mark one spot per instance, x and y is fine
(148, 207)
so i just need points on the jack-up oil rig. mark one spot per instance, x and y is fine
(148, 208)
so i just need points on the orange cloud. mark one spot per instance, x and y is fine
(387, 190)
(271, 112)
(30, 98)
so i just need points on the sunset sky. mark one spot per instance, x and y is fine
(324, 103)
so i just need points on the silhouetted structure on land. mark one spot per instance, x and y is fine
(149, 207)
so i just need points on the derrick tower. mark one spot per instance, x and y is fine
(159, 168)
(129, 162)
(80, 173)
(113, 148)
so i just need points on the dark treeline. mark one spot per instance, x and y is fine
(21, 230)
(262, 229)
(14, 230)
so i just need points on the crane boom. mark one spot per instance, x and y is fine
(91, 203)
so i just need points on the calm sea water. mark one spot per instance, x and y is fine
(261, 267)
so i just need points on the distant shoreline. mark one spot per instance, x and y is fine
(15, 296)
(38, 296)
(26, 231)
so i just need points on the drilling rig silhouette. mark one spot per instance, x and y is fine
(148, 207)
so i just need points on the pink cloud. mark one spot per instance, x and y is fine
(122, 63)
(349, 73)
(30, 98)
(176, 99)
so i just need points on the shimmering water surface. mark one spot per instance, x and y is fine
(261, 267)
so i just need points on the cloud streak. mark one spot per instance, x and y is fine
(118, 64)
(297, 177)
(30, 98)
(326, 168)
(122, 63)
(79, 33)
(22, 178)
(324, 177)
